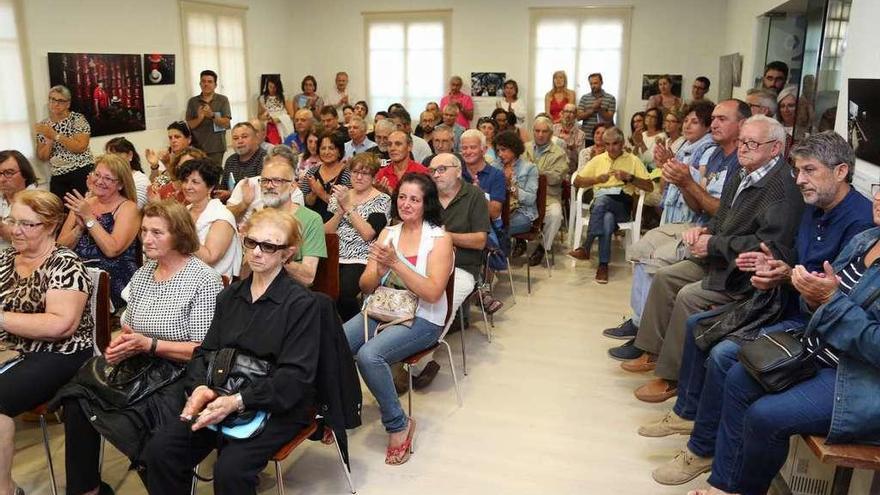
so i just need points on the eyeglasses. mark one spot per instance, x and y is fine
(103, 178)
(752, 145)
(362, 173)
(9, 173)
(11, 222)
(701, 88)
(57, 101)
(266, 247)
(273, 181)
(441, 169)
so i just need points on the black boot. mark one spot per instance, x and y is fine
(537, 256)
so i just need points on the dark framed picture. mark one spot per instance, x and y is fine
(650, 88)
(863, 119)
(158, 69)
(487, 83)
(107, 88)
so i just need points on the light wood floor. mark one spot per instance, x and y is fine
(545, 412)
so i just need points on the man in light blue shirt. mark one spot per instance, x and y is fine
(357, 130)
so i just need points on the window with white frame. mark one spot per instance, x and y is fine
(407, 58)
(214, 39)
(579, 42)
(15, 126)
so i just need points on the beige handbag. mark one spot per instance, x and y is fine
(390, 306)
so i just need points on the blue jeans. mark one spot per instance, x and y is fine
(638, 295)
(519, 223)
(374, 360)
(755, 427)
(605, 213)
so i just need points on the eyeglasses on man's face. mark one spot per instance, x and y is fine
(752, 145)
(441, 169)
(274, 181)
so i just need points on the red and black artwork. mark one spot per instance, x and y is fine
(158, 69)
(106, 88)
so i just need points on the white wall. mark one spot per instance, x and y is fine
(667, 36)
(138, 27)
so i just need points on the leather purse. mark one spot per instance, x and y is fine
(128, 381)
(778, 360)
(229, 371)
(391, 304)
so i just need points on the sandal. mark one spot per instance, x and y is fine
(490, 304)
(395, 456)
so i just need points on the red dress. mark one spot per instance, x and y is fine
(556, 108)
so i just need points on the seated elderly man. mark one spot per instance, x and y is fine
(834, 214)
(278, 190)
(247, 161)
(303, 121)
(247, 197)
(442, 143)
(450, 115)
(614, 177)
(571, 134)
(552, 162)
(761, 204)
(357, 131)
(381, 131)
(420, 148)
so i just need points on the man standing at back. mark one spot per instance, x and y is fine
(208, 115)
(595, 107)
(775, 76)
(465, 103)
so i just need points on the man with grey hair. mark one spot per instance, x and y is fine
(568, 131)
(835, 212)
(450, 121)
(760, 204)
(443, 143)
(399, 162)
(357, 131)
(303, 121)
(552, 162)
(381, 130)
(614, 177)
(247, 197)
(466, 219)
(761, 101)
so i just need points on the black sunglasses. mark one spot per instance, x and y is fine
(266, 247)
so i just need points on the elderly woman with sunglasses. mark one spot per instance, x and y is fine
(359, 214)
(102, 226)
(44, 288)
(267, 315)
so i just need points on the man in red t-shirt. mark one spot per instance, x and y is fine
(399, 163)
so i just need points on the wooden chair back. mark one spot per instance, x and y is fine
(327, 274)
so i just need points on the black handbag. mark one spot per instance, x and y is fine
(778, 360)
(230, 370)
(128, 381)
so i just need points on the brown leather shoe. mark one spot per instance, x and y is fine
(579, 254)
(645, 362)
(657, 390)
(602, 274)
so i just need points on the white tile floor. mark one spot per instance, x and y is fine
(545, 411)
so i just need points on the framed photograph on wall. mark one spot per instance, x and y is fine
(107, 88)
(487, 83)
(650, 88)
(863, 119)
(158, 69)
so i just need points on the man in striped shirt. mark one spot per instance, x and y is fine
(595, 107)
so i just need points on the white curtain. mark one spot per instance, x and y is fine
(15, 128)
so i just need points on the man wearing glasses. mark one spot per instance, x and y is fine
(16, 174)
(275, 188)
(761, 203)
(699, 89)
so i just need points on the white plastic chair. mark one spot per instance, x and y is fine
(582, 220)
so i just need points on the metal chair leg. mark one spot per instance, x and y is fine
(48, 454)
(454, 376)
(486, 323)
(461, 323)
(529, 277)
(345, 468)
(279, 480)
(510, 277)
(409, 390)
(195, 480)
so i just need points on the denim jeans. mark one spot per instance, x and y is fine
(375, 357)
(638, 294)
(753, 437)
(605, 213)
(519, 223)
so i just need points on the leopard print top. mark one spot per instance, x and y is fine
(62, 270)
(62, 159)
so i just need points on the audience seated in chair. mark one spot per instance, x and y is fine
(403, 122)
(44, 315)
(317, 183)
(762, 204)
(357, 131)
(614, 176)
(552, 162)
(835, 213)
(399, 148)
(521, 180)
(359, 214)
(269, 317)
(170, 306)
(415, 254)
(247, 161)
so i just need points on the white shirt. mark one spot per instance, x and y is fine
(420, 149)
(235, 197)
(230, 263)
(141, 184)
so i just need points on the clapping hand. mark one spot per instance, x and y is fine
(816, 288)
(340, 192)
(675, 172)
(46, 131)
(77, 203)
(384, 255)
(662, 153)
(248, 192)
